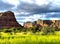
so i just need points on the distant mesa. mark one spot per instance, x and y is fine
(7, 20)
(41, 23)
(28, 25)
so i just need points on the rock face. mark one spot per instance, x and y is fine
(41, 23)
(7, 20)
(28, 24)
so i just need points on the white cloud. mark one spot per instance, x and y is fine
(28, 1)
(37, 2)
(54, 18)
(3, 10)
(25, 13)
(55, 4)
(52, 13)
(13, 2)
(21, 13)
(41, 2)
(31, 18)
(21, 24)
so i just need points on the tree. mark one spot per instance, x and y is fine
(48, 30)
(34, 29)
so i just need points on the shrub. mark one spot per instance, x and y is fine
(8, 31)
(34, 29)
(19, 29)
(48, 30)
(57, 29)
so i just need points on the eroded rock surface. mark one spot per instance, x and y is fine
(7, 20)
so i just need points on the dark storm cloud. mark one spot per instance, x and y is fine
(5, 6)
(55, 15)
(35, 9)
(32, 8)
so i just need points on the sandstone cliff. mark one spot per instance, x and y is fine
(41, 23)
(7, 20)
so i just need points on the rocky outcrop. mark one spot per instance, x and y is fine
(28, 24)
(7, 20)
(41, 23)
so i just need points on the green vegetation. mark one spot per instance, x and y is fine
(48, 30)
(28, 38)
(34, 35)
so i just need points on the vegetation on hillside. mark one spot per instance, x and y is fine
(34, 35)
(34, 29)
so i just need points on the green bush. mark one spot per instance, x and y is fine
(48, 30)
(34, 29)
(57, 29)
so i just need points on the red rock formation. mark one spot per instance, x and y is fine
(7, 20)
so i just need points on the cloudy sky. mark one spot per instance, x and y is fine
(31, 10)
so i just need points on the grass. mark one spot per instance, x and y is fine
(21, 38)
